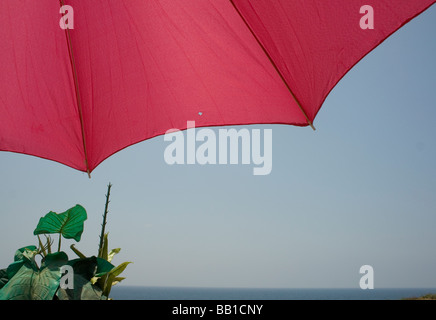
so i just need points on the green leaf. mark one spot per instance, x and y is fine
(103, 267)
(117, 280)
(91, 267)
(29, 283)
(83, 290)
(86, 267)
(22, 255)
(27, 252)
(54, 260)
(119, 269)
(114, 273)
(112, 253)
(68, 223)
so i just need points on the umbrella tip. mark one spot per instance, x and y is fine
(89, 174)
(312, 126)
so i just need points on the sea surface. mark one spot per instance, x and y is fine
(177, 293)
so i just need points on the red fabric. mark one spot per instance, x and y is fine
(146, 66)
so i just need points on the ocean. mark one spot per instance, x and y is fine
(177, 293)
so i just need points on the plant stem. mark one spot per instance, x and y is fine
(59, 246)
(41, 246)
(103, 225)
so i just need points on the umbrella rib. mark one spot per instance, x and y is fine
(273, 64)
(76, 87)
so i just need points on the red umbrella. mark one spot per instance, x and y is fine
(132, 69)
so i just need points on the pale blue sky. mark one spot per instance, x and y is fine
(360, 190)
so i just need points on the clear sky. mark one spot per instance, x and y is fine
(359, 190)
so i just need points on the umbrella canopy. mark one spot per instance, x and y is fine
(132, 69)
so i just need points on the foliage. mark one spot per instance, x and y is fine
(92, 277)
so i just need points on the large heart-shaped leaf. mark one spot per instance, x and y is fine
(29, 283)
(68, 223)
(83, 290)
(91, 267)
